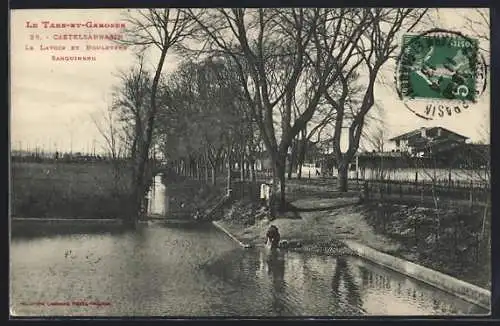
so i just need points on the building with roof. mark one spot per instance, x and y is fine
(425, 141)
(434, 152)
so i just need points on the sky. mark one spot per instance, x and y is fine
(52, 101)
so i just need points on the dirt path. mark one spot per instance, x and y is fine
(318, 220)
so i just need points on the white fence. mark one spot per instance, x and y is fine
(310, 171)
(422, 174)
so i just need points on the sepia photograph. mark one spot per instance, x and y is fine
(250, 162)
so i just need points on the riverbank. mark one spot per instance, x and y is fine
(94, 190)
(452, 240)
(317, 224)
(322, 225)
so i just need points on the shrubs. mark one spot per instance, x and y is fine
(245, 213)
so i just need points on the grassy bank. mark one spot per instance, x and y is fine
(186, 195)
(323, 220)
(94, 190)
(78, 190)
(450, 240)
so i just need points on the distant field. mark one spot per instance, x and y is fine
(84, 190)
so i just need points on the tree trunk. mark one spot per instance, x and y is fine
(302, 149)
(252, 170)
(293, 159)
(220, 165)
(247, 169)
(242, 166)
(342, 177)
(278, 188)
(214, 173)
(194, 168)
(229, 174)
(282, 189)
(207, 171)
(145, 146)
(133, 149)
(198, 168)
(138, 185)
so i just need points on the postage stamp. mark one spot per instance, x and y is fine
(440, 73)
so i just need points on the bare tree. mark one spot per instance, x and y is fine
(322, 118)
(204, 120)
(377, 45)
(374, 138)
(161, 29)
(130, 100)
(375, 134)
(259, 41)
(106, 124)
(272, 48)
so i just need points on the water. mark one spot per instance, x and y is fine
(158, 202)
(194, 270)
(166, 269)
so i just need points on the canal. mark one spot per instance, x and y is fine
(165, 269)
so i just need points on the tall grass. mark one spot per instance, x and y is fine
(72, 190)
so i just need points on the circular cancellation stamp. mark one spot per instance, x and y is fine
(440, 73)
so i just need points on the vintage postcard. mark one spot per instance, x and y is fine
(254, 162)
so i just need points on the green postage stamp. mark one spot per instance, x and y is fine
(442, 68)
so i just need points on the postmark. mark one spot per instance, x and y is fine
(440, 73)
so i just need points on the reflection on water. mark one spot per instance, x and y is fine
(197, 271)
(157, 198)
(153, 271)
(288, 284)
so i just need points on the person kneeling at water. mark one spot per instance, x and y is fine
(273, 237)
